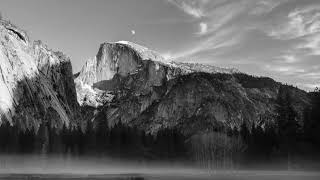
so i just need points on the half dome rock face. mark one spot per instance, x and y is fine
(115, 63)
(121, 61)
(131, 84)
(36, 84)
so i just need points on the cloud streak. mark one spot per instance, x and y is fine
(190, 7)
(280, 38)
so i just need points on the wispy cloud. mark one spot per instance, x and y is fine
(220, 17)
(311, 75)
(286, 70)
(203, 28)
(212, 16)
(289, 59)
(279, 37)
(212, 43)
(265, 6)
(191, 7)
(300, 22)
(311, 44)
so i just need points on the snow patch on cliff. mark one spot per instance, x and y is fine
(144, 52)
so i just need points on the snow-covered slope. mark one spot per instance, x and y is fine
(144, 52)
(36, 84)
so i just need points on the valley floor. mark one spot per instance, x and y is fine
(218, 175)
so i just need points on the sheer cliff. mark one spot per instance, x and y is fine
(36, 84)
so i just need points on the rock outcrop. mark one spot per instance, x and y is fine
(131, 84)
(36, 84)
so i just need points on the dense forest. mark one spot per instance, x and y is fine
(98, 139)
(286, 141)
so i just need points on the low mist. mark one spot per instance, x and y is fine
(83, 167)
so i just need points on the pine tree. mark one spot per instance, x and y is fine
(245, 133)
(287, 124)
(312, 119)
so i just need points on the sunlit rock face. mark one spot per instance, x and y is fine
(36, 84)
(131, 84)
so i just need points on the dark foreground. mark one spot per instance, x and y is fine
(221, 175)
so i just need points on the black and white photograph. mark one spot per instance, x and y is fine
(159, 89)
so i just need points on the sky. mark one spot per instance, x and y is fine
(275, 38)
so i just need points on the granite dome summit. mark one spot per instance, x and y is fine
(131, 84)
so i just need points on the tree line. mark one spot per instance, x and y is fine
(120, 140)
(284, 140)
